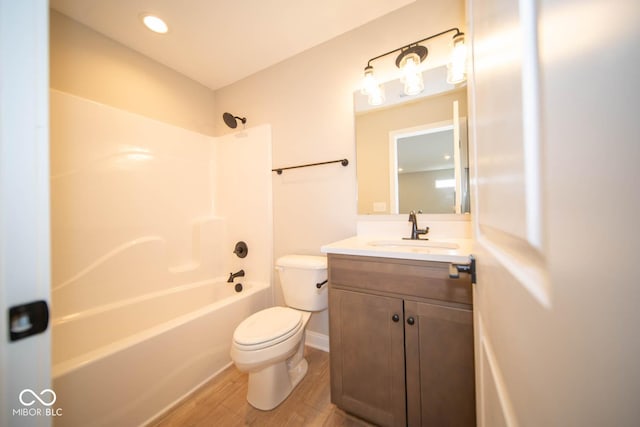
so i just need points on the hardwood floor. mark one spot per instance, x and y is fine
(222, 402)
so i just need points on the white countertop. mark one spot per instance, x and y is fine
(437, 249)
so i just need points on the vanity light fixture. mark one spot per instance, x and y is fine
(371, 87)
(154, 23)
(457, 66)
(409, 63)
(409, 60)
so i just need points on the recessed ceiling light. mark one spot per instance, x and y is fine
(155, 24)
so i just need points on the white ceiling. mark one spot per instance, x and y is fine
(218, 42)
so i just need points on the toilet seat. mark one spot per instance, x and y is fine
(267, 328)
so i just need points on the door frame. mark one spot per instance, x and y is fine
(24, 208)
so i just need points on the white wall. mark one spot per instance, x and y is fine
(242, 188)
(417, 191)
(88, 64)
(308, 102)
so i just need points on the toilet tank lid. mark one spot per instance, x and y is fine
(302, 261)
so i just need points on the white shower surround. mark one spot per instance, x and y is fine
(145, 216)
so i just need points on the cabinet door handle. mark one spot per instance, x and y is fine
(395, 318)
(411, 321)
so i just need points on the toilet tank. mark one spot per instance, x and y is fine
(299, 275)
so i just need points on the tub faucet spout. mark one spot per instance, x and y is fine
(234, 275)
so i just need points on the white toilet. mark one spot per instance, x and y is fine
(269, 344)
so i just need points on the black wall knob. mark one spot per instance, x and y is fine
(411, 320)
(241, 249)
(395, 318)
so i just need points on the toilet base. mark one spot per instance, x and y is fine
(285, 367)
(269, 387)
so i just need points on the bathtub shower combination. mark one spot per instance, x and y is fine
(133, 363)
(145, 217)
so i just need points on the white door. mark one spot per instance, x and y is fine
(555, 134)
(25, 398)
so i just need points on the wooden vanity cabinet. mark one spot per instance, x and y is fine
(401, 339)
(367, 356)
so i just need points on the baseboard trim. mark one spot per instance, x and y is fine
(317, 340)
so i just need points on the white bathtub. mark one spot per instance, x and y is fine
(125, 363)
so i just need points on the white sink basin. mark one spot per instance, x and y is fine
(414, 244)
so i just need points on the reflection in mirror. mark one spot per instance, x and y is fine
(426, 173)
(413, 155)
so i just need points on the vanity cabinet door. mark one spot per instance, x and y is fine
(367, 356)
(440, 368)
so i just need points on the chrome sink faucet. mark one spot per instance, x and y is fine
(415, 231)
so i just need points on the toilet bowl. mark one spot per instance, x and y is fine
(269, 344)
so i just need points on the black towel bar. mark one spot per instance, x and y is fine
(344, 162)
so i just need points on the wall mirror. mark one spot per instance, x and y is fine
(412, 152)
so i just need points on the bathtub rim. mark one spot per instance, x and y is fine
(68, 366)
